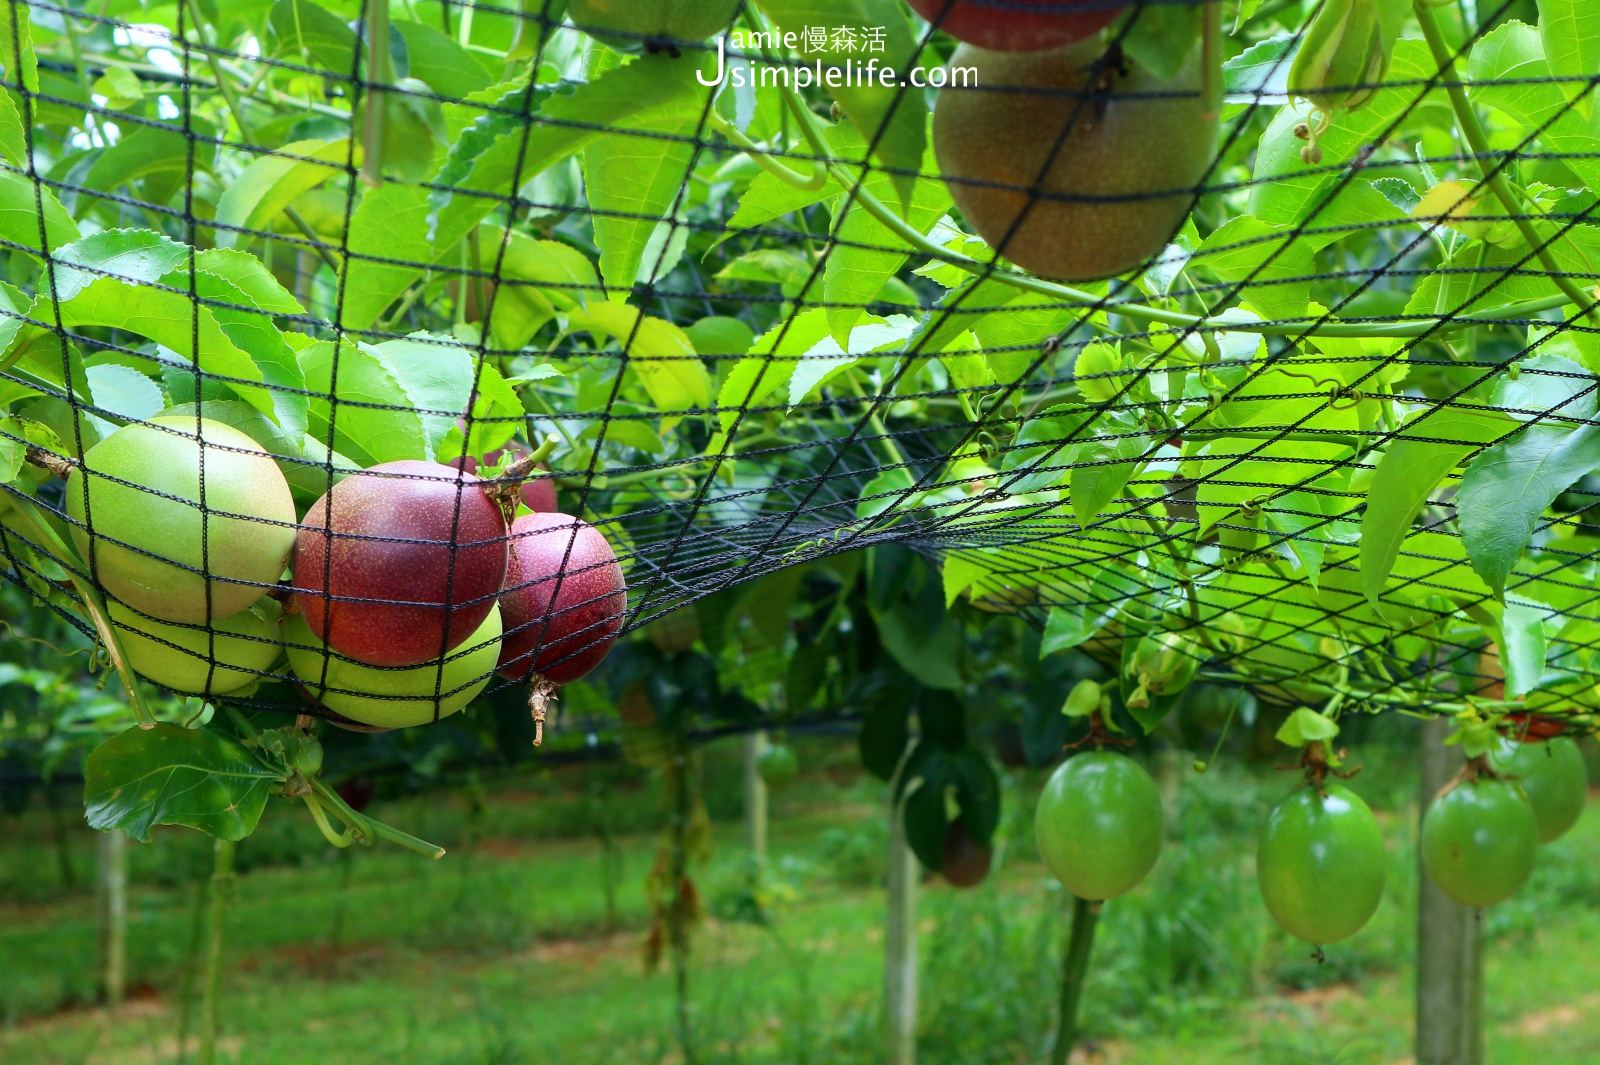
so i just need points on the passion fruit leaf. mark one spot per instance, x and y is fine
(124, 392)
(635, 177)
(441, 376)
(1426, 448)
(1271, 259)
(1523, 644)
(169, 775)
(250, 276)
(134, 255)
(19, 218)
(1570, 30)
(254, 334)
(13, 449)
(658, 352)
(448, 69)
(158, 155)
(977, 792)
(1160, 36)
(770, 197)
(251, 201)
(373, 428)
(1083, 700)
(388, 236)
(885, 729)
(1510, 71)
(1508, 486)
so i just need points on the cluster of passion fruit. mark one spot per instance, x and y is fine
(410, 583)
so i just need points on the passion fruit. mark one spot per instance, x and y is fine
(1321, 864)
(418, 558)
(630, 24)
(563, 601)
(1480, 840)
(1553, 777)
(1072, 163)
(389, 697)
(1019, 25)
(964, 862)
(187, 659)
(154, 546)
(1098, 824)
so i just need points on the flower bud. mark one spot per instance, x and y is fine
(1344, 54)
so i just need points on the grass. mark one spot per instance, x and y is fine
(506, 953)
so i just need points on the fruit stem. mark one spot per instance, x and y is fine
(1493, 173)
(1074, 970)
(46, 539)
(1141, 312)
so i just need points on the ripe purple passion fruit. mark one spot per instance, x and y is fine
(1120, 152)
(419, 554)
(151, 539)
(1098, 824)
(1554, 778)
(563, 601)
(1322, 865)
(179, 657)
(965, 861)
(1480, 840)
(1019, 25)
(393, 698)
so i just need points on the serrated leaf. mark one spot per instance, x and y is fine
(1523, 644)
(1570, 31)
(439, 375)
(13, 449)
(170, 775)
(19, 220)
(387, 241)
(251, 276)
(379, 423)
(124, 392)
(770, 197)
(449, 69)
(133, 255)
(1270, 263)
(634, 177)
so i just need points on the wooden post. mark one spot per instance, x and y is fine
(1449, 940)
(900, 945)
(112, 884)
(755, 795)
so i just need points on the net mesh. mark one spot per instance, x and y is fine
(1333, 439)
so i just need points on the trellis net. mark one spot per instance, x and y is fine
(1327, 431)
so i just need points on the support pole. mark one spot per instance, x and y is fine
(1449, 940)
(113, 900)
(900, 946)
(755, 795)
(210, 991)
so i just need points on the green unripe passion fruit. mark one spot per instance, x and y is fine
(151, 539)
(1480, 840)
(394, 697)
(1098, 824)
(628, 24)
(178, 657)
(1321, 864)
(1120, 152)
(1554, 778)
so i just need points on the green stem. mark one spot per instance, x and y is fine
(1472, 129)
(763, 157)
(377, 27)
(1074, 969)
(368, 828)
(1140, 312)
(221, 887)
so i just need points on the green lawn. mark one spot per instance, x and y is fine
(501, 953)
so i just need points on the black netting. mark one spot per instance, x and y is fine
(1330, 433)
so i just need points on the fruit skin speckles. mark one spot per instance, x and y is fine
(563, 601)
(1020, 25)
(410, 576)
(1132, 150)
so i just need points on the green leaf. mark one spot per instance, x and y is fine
(892, 117)
(388, 237)
(449, 69)
(253, 332)
(134, 255)
(865, 252)
(172, 320)
(311, 35)
(657, 351)
(259, 194)
(634, 176)
(170, 775)
(977, 793)
(19, 220)
(250, 276)
(1508, 486)
(1426, 448)
(924, 812)
(770, 364)
(147, 151)
(887, 489)
(124, 392)
(303, 460)
(1510, 73)
(1570, 30)
(13, 450)
(438, 374)
(770, 197)
(1279, 265)
(1161, 36)
(539, 278)
(377, 420)
(16, 35)
(885, 730)
(1523, 644)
